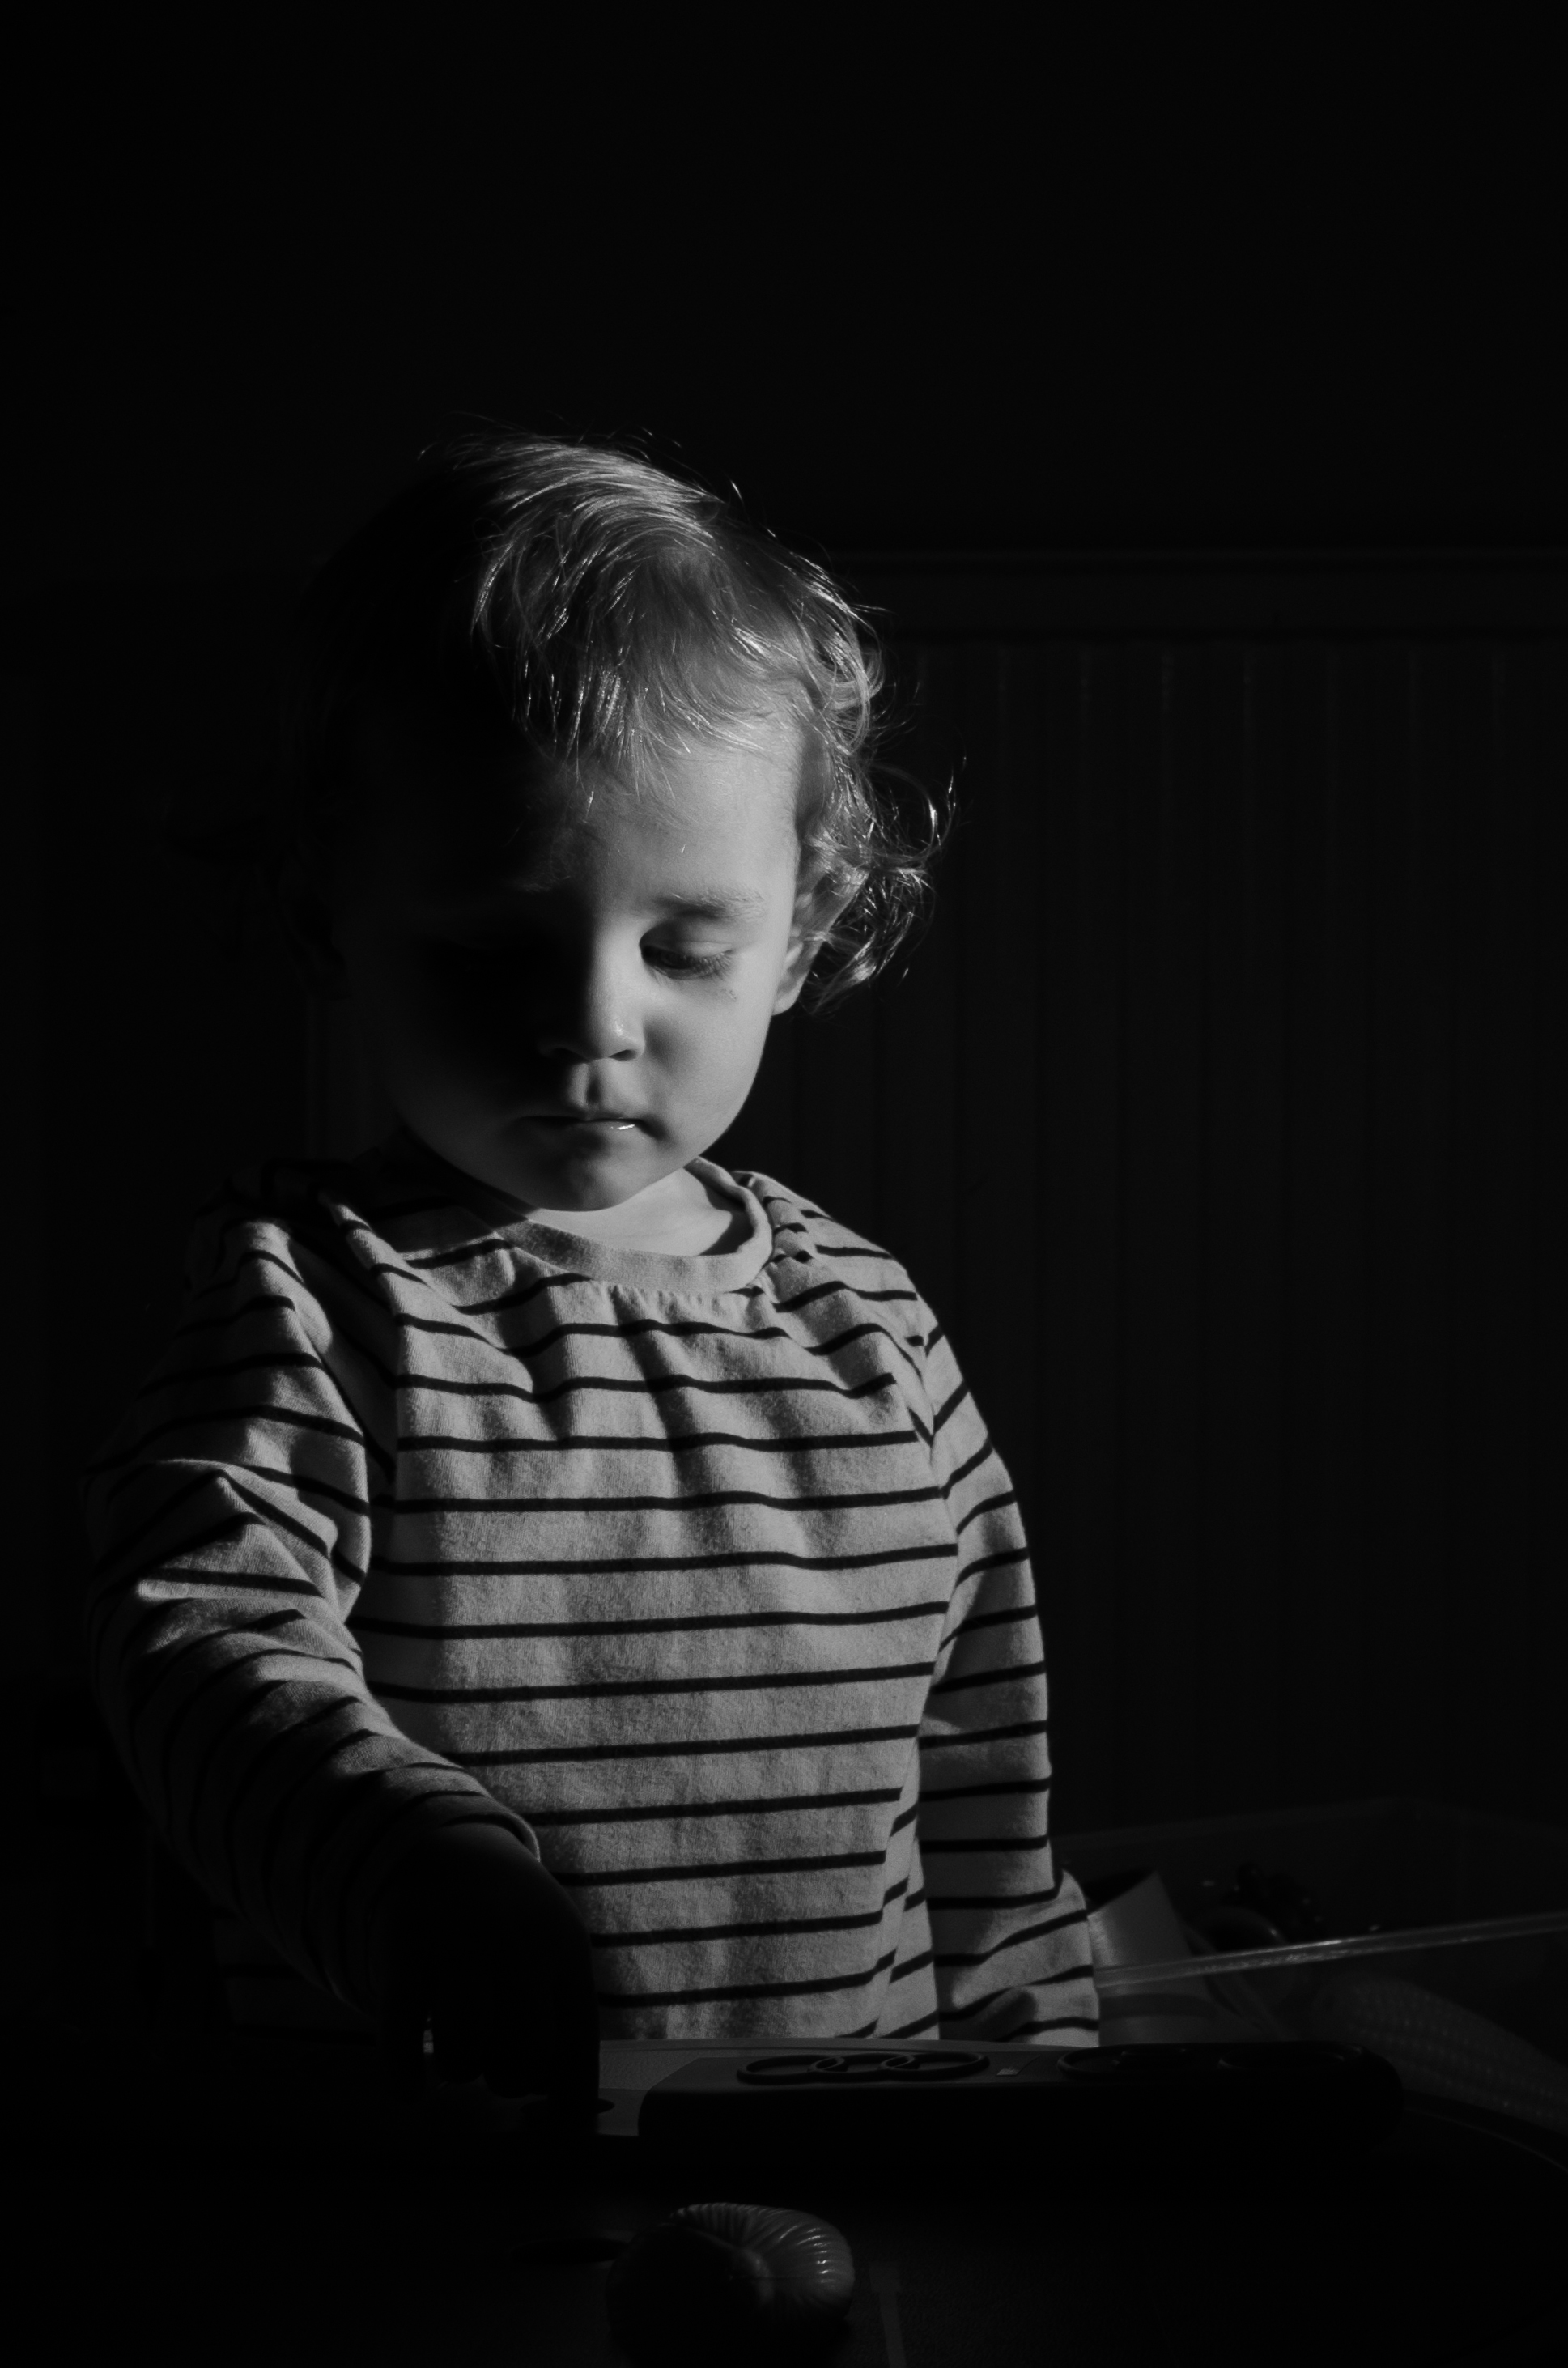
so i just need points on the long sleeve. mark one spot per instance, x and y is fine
(1009, 1929)
(231, 1518)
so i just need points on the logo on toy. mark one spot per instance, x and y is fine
(799, 2070)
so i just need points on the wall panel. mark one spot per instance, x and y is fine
(1243, 952)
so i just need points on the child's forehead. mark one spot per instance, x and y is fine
(457, 801)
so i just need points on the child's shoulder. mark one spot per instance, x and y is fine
(324, 1206)
(806, 1234)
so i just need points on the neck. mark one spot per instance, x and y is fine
(678, 1217)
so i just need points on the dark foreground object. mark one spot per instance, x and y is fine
(258, 2204)
(1012, 2112)
(718, 2282)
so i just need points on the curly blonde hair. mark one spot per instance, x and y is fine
(606, 610)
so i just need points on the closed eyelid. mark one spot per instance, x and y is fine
(691, 959)
(682, 950)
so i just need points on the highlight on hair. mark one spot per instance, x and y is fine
(608, 612)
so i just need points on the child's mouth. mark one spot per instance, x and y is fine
(603, 1122)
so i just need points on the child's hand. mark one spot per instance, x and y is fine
(476, 1937)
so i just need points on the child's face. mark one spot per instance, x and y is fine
(565, 984)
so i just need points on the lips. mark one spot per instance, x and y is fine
(583, 1118)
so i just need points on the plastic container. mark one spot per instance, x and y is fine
(1438, 1936)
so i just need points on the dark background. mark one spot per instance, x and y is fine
(1098, 331)
(987, 292)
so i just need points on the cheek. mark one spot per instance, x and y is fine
(721, 1044)
(424, 1022)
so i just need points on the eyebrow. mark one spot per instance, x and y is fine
(718, 905)
(734, 905)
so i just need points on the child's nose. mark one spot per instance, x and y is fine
(592, 1013)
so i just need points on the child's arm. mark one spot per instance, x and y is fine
(233, 1520)
(1009, 1929)
(473, 1936)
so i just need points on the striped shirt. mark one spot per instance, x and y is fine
(699, 1574)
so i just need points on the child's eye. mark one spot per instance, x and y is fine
(686, 965)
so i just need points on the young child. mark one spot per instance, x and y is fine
(553, 1585)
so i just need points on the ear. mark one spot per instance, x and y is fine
(306, 923)
(816, 910)
(797, 970)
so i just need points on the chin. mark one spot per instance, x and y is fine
(587, 1198)
(582, 1185)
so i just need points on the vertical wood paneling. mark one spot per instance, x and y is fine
(1236, 969)
(996, 956)
(1535, 1683)
(1403, 1685)
(1164, 756)
(1076, 1530)
(1243, 1245)
(1324, 1574)
(1497, 1048)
